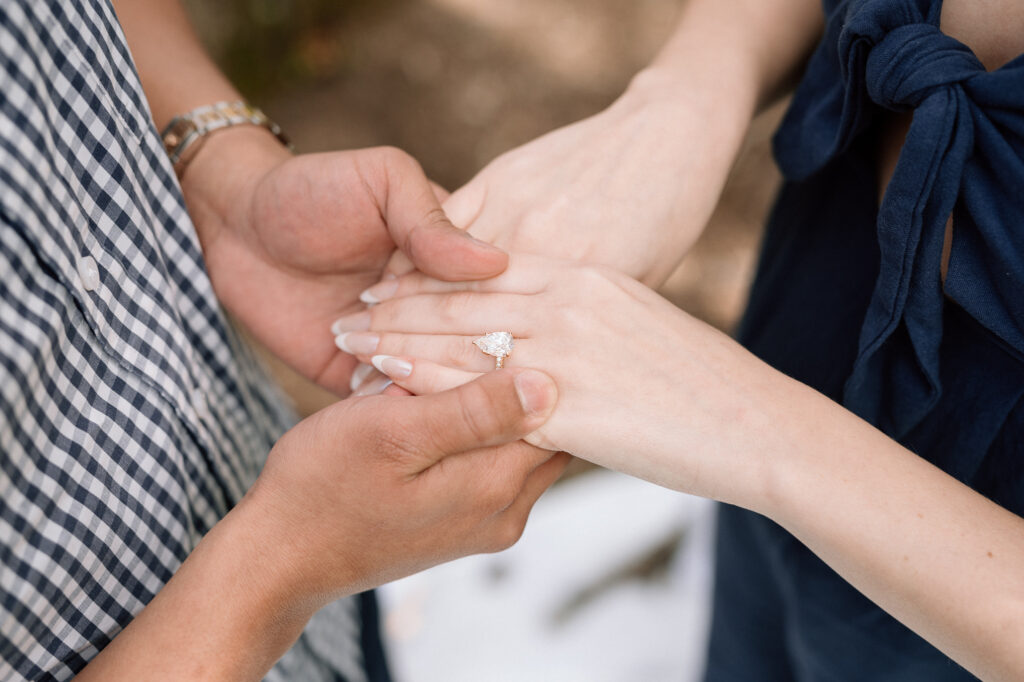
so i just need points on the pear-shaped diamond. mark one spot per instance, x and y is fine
(497, 344)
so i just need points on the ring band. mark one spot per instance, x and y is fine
(498, 345)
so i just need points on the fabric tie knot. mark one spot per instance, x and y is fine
(911, 62)
(961, 156)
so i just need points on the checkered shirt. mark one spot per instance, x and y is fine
(131, 418)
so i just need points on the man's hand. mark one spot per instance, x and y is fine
(363, 492)
(290, 242)
(372, 489)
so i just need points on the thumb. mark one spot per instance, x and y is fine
(497, 408)
(440, 193)
(422, 231)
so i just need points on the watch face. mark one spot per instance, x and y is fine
(177, 134)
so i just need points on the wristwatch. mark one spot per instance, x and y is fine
(185, 134)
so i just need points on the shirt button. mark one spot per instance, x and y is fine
(199, 403)
(88, 273)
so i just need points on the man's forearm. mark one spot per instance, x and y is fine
(176, 72)
(178, 76)
(225, 615)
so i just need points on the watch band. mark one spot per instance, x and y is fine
(185, 134)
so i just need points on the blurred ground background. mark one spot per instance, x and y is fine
(455, 83)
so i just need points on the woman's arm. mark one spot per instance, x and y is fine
(744, 53)
(939, 557)
(648, 390)
(633, 186)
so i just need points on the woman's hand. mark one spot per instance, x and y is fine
(630, 188)
(290, 241)
(634, 186)
(650, 391)
(644, 388)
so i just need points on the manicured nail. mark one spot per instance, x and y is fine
(358, 343)
(393, 367)
(373, 386)
(534, 390)
(359, 375)
(357, 322)
(379, 292)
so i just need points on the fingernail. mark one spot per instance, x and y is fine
(358, 343)
(373, 386)
(380, 292)
(480, 242)
(534, 391)
(359, 375)
(393, 367)
(357, 322)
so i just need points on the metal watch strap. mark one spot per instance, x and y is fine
(185, 134)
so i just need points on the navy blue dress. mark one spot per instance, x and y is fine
(849, 300)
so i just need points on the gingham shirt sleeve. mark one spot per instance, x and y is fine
(131, 418)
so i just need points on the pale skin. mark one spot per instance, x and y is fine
(653, 164)
(692, 409)
(650, 391)
(657, 159)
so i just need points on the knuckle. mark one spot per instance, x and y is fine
(533, 221)
(507, 532)
(500, 494)
(477, 410)
(387, 315)
(378, 315)
(574, 317)
(537, 222)
(391, 344)
(412, 245)
(395, 156)
(384, 443)
(436, 217)
(590, 277)
(389, 442)
(606, 273)
(514, 529)
(455, 306)
(464, 355)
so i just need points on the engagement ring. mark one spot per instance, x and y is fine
(496, 344)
